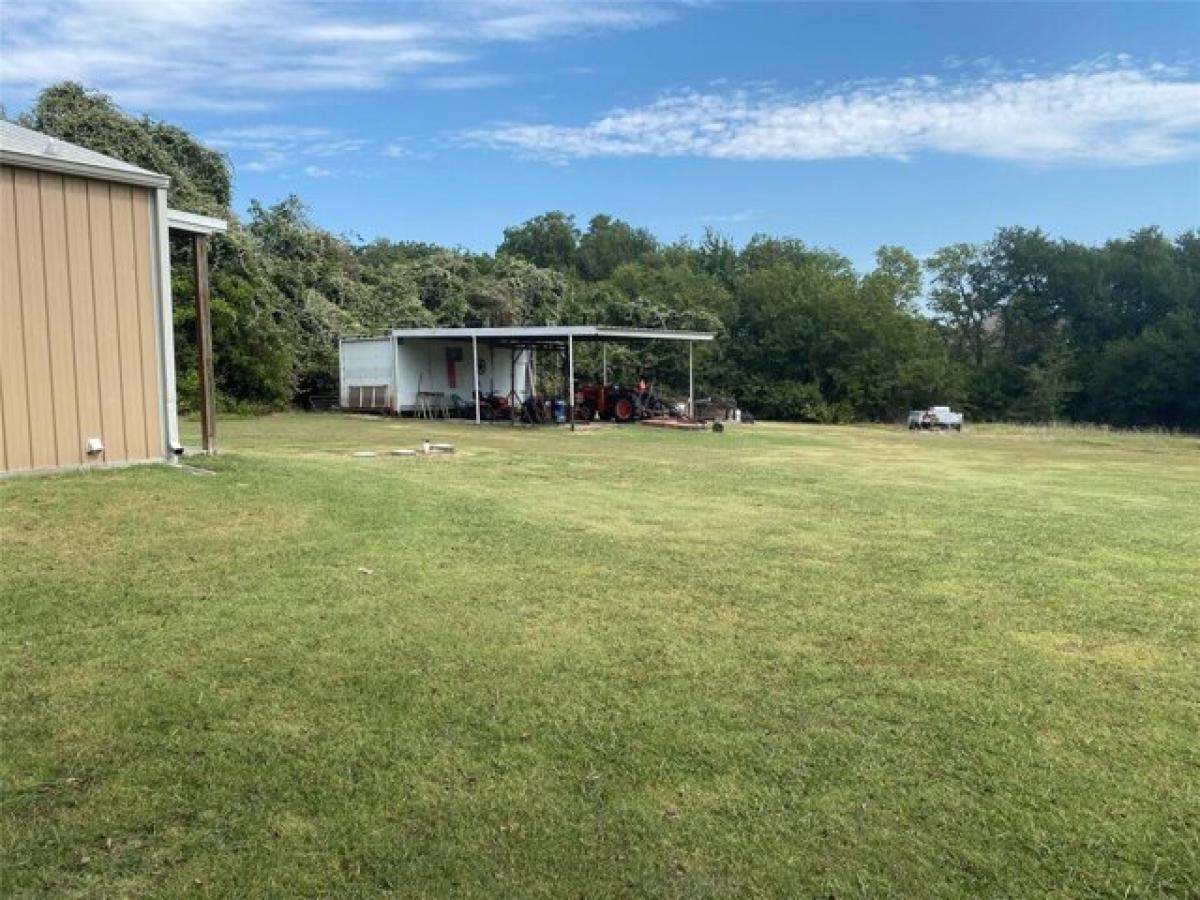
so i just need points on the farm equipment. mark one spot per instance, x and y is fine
(618, 403)
(493, 407)
(710, 409)
(936, 418)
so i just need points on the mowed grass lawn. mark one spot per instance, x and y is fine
(782, 661)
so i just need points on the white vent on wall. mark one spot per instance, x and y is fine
(94, 446)
(368, 396)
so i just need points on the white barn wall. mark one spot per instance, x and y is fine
(421, 365)
(365, 363)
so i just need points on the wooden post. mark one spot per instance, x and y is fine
(691, 391)
(475, 370)
(204, 352)
(604, 356)
(571, 379)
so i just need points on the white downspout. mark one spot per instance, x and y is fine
(166, 327)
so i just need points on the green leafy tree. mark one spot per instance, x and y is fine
(1152, 378)
(442, 284)
(717, 257)
(896, 279)
(610, 243)
(962, 300)
(550, 240)
(200, 177)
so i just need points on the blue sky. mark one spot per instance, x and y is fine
(848, 126)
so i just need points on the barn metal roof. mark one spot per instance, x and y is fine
(32, 149)
(555, 332)
(195, 223)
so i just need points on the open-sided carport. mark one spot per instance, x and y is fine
(387, 362)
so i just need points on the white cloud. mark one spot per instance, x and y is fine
(536, 20)
(1110, 112)
(395, 150)
(271, 147)
(268, 162)
(317, 172)
(260, 137)
(733, 218)
(245, 54)
(467, 82)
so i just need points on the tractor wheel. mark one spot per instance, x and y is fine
(583, 413)
(622, 410)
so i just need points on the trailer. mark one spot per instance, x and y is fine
(936, 418)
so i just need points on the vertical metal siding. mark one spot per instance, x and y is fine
(147, 325)
(31, 267)
(79, 354)
(13, 391)
(83, 308)
(3, 448)
(108, 343)
(133, 403)
(68, 443)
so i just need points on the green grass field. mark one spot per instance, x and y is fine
(782, 661)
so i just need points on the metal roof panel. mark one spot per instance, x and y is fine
(25, 147)
(560, 332)
(195, 223)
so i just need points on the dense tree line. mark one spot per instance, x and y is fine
(1023, 327)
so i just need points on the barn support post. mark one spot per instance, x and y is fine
(208, 403)
(475, 372)
(343, 391)
(604, 364)
(395, 375)
(691, 389)
(571, 379)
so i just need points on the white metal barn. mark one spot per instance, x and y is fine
(391, 372)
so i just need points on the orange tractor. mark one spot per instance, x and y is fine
(618, 403)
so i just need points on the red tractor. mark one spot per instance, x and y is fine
(605, 401)
(612, 401)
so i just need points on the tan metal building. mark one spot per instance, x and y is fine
(87, 359)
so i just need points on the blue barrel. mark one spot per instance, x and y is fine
(559, 408)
